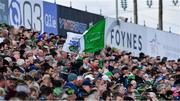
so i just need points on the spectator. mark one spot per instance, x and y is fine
(34, 67)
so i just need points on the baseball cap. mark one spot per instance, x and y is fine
(22, 88)
(106, 78)
(72, 77)
(86, 83)
(160, 78)
(20, 62)
(108, 74)
(90, 76)
(57, 91)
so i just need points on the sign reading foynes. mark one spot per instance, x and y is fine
(124, 36)
(126, 39)
(135, 38)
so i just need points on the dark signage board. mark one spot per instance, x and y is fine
(73, 20)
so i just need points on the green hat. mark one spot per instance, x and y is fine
(72, 77)
(131, 77)
(65, 69)
(140, 67)
(69, 91)
(57, 91)
(108, 74)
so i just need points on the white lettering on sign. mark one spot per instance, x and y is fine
(27, 13)
(50, 21)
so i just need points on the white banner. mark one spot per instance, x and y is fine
(135, 38)
(125, 36)
(28, 13)
(72, 42)
(163, 44)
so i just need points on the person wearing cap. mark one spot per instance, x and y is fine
(72, 80)
(109, 76)
(70, 94)
(22, 87)
(160, 80)
(85, 89)
(9, 60)
(57, 93)
(87, 86)
(89, 77)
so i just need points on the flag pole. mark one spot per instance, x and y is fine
(117, 12)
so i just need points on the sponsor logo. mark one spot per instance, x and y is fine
(154, 44)
(15, 13)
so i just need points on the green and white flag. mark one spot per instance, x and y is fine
(72, 42)
(93, 38)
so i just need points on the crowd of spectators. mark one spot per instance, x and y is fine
(34, 67)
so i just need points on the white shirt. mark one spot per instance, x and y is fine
(1, 39)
